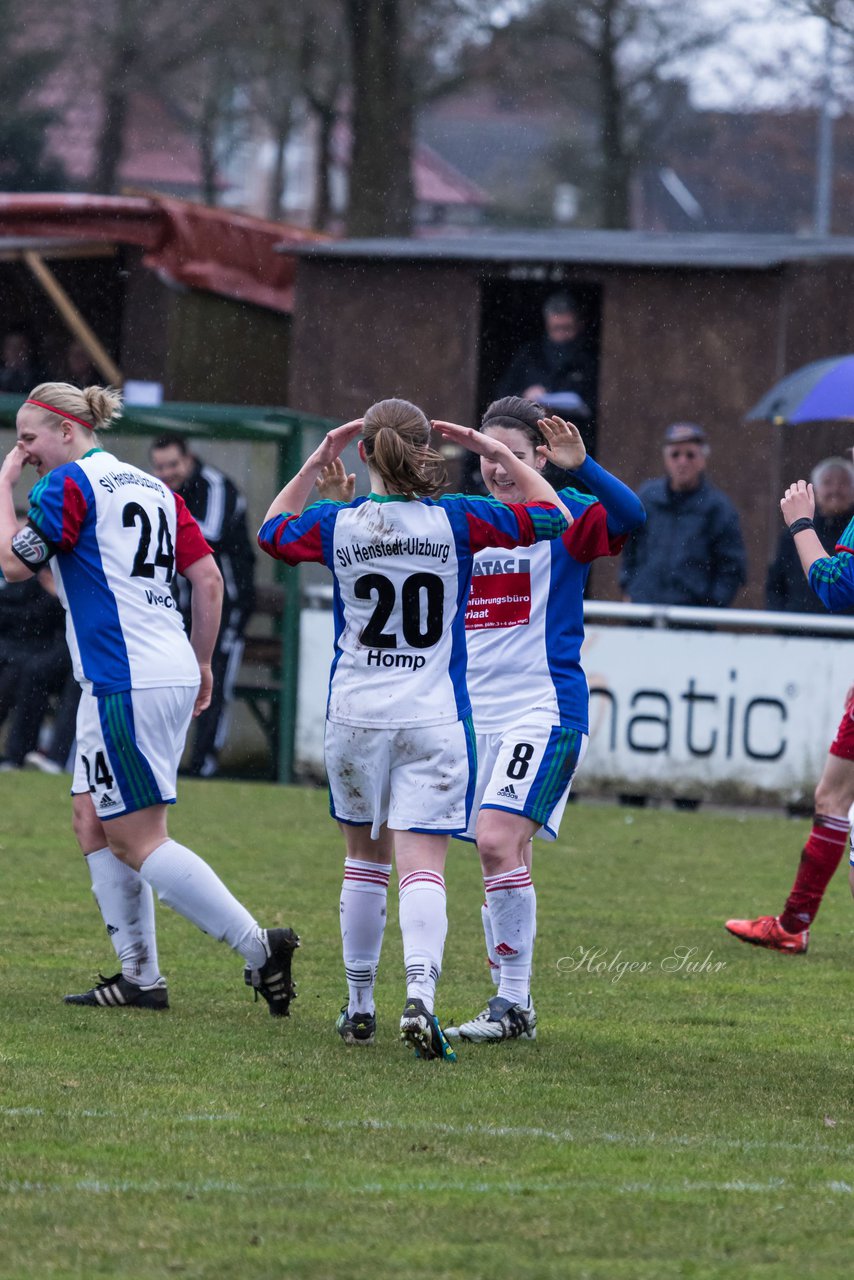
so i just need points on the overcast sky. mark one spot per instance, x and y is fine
(791, 49)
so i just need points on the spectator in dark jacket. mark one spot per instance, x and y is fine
(690, 551)
(559, 360)
(787, 589)
(220, 509)
(34, 661)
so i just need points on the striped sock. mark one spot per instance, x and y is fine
(491, 958)
(821, 855)
(423, 914)
(363, 916)
(512, 911)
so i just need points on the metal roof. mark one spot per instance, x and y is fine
(203, 421)
(622, 248)
(14, 247)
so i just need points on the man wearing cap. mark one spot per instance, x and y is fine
(690, 551)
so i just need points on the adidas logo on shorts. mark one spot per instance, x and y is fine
(106, 803)
(508, 793)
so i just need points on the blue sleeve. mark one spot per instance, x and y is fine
(832, 580)
(623, 507)
(297, 539)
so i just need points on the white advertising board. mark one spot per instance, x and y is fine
(706, 714)
(712, 713)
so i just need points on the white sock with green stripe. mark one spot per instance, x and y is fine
(186, 883)
(126, 904)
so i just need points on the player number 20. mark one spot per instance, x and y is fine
(422, 602)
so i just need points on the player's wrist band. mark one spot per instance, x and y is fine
(798, 526)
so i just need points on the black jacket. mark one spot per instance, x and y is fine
(565, 367)
(31, 619)
(220, 509)
(690, 551)
(786, 587)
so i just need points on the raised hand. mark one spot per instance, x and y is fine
(334, 485)
(564, 446)
(474, 441)
(798, 502)
(13, 464)
(334, 443)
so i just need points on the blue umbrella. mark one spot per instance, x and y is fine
(819, 392)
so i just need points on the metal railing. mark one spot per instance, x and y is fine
(318, 595)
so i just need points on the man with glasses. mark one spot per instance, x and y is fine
(691, 550)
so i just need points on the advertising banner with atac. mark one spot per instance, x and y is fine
(711, 714)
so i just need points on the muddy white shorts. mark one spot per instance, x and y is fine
(416, 779)
(528, 769)
(129, 746)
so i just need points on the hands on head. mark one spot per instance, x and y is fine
(335, 442)
(468, 438)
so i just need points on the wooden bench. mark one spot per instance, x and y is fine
(259, 681)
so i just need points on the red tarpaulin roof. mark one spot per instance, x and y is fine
(214, 249)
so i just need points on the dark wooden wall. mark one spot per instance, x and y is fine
(201, 346)
(365, 331)
(696, 344)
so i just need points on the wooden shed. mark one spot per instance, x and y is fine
(156, 290)
(685, 326)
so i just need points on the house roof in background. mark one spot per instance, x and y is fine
(437, 182)
(625, 248)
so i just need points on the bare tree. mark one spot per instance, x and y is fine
(24, 164)
(401, 52)
(625, 54)
(381, 191)
(323, 58)
(137, 48)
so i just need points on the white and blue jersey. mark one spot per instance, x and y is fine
(402, 570)
(525, 623)
(116, 536)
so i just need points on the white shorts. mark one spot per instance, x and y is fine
(418, 779)
(528, 769)
(129, 746)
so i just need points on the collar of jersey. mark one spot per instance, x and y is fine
(388, 497)
(96, 448)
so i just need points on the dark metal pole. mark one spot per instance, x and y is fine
(824, 156)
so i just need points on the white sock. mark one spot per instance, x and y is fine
(186, 883)
(491, 958)
(126, 904)
(533, 940)
(423, 914)
(512, 910)
(363, 915)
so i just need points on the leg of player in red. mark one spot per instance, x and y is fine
(821, 854)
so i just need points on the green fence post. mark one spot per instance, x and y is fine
(289, 460)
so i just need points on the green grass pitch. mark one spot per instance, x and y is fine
(669, 1121)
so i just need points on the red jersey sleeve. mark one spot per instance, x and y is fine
(190, 546)
(587, 538)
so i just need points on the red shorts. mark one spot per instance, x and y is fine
(843, 744)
